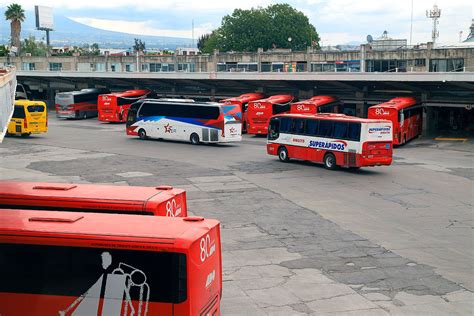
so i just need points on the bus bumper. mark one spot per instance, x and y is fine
(66, 114)
(272, 149)
(368, 161)
(257, 130)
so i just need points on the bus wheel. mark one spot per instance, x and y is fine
(25, 134)
(142, 134)
(283, 154)
(330, 161)
(194, 139)
(84, 116)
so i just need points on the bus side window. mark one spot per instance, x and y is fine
(285, 125)
(340, 130)
(325, 128)
(299, 126)
(353, 132)
(312, 127)
(19, 112)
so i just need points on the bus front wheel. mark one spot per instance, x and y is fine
(142, 134)
(283, 154)
(194, 139)
(330, 161)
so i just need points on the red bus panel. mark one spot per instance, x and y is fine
(317, 104)
(406, 114)
(113, 107)
(61, 263)
(159, 201)
(242, 101)
(259, 112)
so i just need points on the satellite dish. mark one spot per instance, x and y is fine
(370, 39)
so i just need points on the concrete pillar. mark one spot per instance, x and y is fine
(50, 94)
(360, 104)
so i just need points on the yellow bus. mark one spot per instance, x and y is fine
(29, 117)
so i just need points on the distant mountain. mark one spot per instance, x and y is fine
(69, 32)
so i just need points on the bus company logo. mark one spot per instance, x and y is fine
(105, 98)
(172, 208)
(207, 246)
(380, 111)
(233, 131)
(169, 128)
(210, 278)
(335, 145)
(302, 108)
(382, 130)
(259, 106)
(259, 113)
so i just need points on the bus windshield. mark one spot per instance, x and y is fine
(78, 276)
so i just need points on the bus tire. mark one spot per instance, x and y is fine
(194, 139)
(84, 116)
(25, 134)
(283, 154)
(329, 161)
(142, 134)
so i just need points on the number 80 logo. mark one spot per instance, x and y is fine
(207, 248)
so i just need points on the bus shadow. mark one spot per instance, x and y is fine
(359, 171)
(169, 141)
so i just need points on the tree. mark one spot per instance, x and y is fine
(276, 26)
(16, 15)
(33, 47)
(139, 46)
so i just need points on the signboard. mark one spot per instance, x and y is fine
(7, 98)
(44, 17)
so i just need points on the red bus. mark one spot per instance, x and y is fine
(78, 104)
(406, 114)
(260, 111)
(331, 139)
(61, 263)
(160, 201)
(317, 104)
(242, 101)
(113, 107)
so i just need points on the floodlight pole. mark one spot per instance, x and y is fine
(47, 37)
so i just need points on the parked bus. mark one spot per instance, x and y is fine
(184, 120)
(260, 111)
(331, 139)
(61, 263)
(113, 107)
(78, 104)
(406, 114)
(242, 101)
(29, 117)
(160, 201)
(317, 104)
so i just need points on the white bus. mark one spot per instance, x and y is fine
(184, 120)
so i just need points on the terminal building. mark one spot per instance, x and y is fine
(442, 77)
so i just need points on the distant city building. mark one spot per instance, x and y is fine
(187, 51)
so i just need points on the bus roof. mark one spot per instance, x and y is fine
(331, 116)
(279, 98)
(247, 97)
(129, 93)
(398, 103)
(318, 100)
(29, 102)
(93, 196)
(179, 102)
(95, 225)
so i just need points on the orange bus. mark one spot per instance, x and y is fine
(317, 104)
(242, 101)
(113, 107)
(260, 111)
(406, 114)
(159, 201)
(62, 263)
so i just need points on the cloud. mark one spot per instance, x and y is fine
(144, 27)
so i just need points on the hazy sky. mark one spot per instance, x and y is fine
(337, 21)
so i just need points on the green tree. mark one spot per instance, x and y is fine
(16, 15)
(33, 47)
(276, 26)
(139, 46)
(3, 50)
